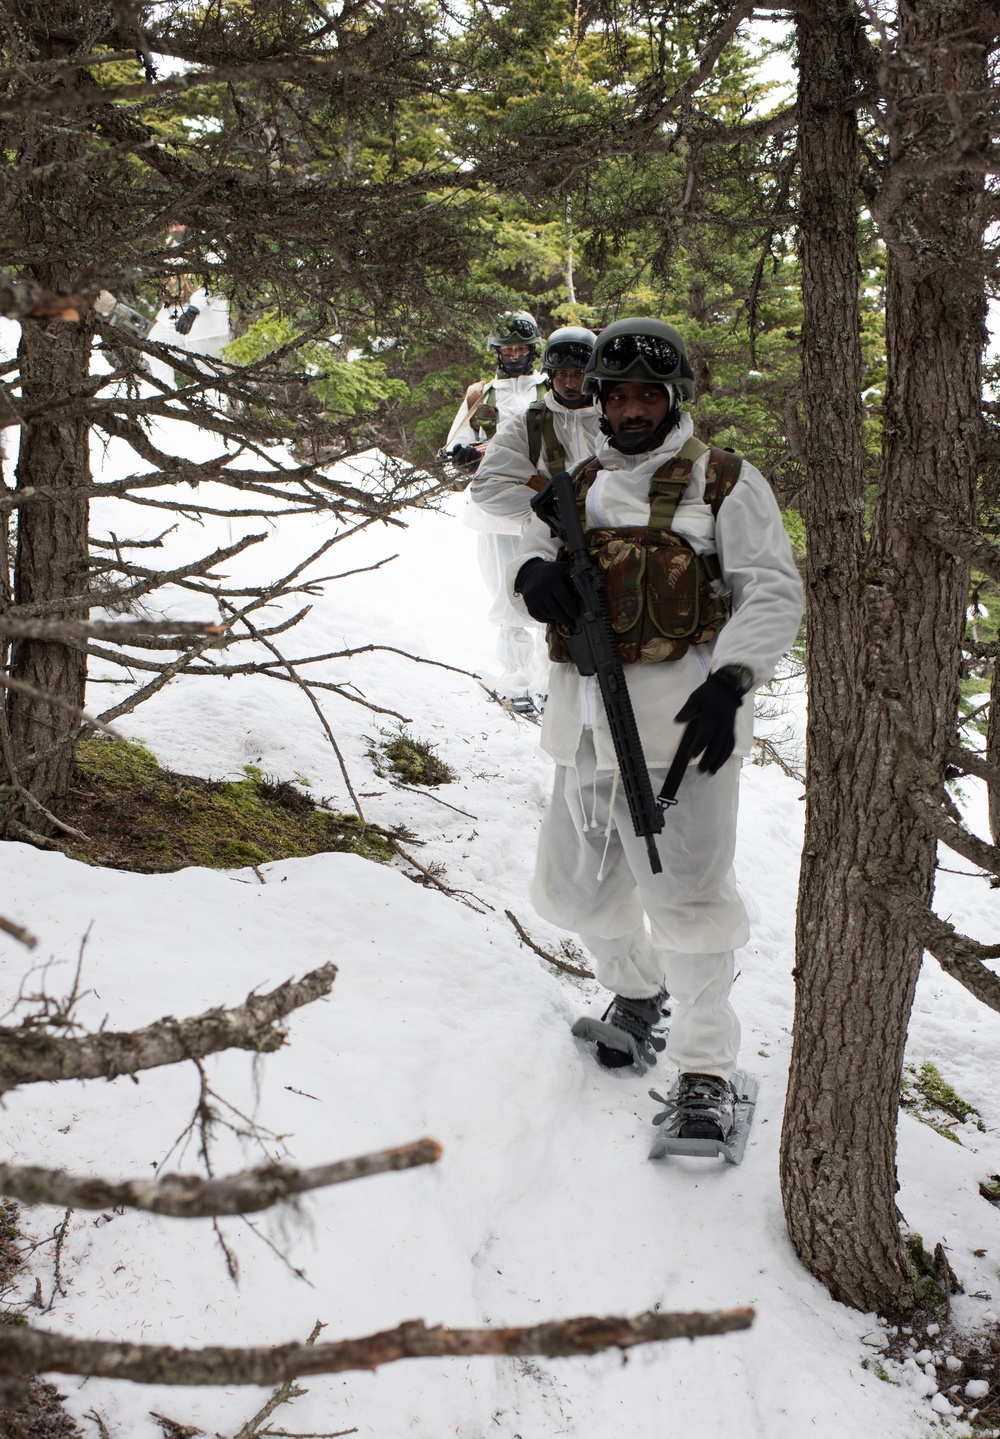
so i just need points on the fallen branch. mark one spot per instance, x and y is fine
(283, 1394)
(185, 1196)
(25, 1350)
(463, 896)
(18, 932)
(28, 1056)
(543, 953)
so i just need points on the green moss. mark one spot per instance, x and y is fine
(932, 1100)
(142, 817)
(880, 1372)
(928, 1291)
(413, 761)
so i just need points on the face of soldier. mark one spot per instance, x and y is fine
(633, 405)
(568, 384)
(514, 352)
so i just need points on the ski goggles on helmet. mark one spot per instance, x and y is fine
(512, 330)
(569, 356)
(620, 353)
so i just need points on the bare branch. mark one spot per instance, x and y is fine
(958, 539)
(185, 1196)
(969, 762)
(951, 833)
(25, 1350)
(18, 932)
(543, 953)
(743, 10)
(957, 955)
(29, 1057)
(20, 299)
(122, 631)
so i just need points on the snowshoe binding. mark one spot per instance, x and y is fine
(523, 704)
(629, 1032)
(706, 1117)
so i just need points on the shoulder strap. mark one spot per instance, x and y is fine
(583, 477)
(555, 455)
(541, 425)
(721, 474)
(669, 483)
(534, 419)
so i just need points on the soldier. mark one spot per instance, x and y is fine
(705, 598)
(514, 339)
(554, 433)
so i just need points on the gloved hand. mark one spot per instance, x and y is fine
(712, 709)
(465, 454)
(548, 592)
(185, 320)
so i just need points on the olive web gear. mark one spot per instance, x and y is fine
(660, 592)
(637, 350)
(541, 427)
(488, 401)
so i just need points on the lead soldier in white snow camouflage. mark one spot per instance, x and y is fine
(514, 340)
(553, 433)
(704, 599)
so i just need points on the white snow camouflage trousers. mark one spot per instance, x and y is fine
(521, 642)
(593, 878)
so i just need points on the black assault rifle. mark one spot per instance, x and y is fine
(594, 652)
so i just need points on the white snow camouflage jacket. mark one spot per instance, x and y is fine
(500, 487)
(757, 569)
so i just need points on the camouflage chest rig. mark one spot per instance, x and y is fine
(660, 593)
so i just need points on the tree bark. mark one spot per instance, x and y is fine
(884, 620)
(51, 560)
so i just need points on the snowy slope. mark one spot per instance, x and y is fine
(441, 1022)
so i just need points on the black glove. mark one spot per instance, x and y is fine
(464, 454)
(710, 712)
(186, 319)
(548, 592)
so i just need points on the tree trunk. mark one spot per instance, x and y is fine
(51, 557)
(993, 750)
(886, 624)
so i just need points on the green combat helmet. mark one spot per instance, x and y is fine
(515, 327)
(568, 348)
(640, 349)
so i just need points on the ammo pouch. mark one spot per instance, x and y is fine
(660, 593)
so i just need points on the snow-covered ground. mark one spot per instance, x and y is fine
(442, 1023)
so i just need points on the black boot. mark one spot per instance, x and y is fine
(703, 1107)
(636, 1018)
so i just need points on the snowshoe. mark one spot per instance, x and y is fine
(629, 1032)
(706, 1117)
(524, 705)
